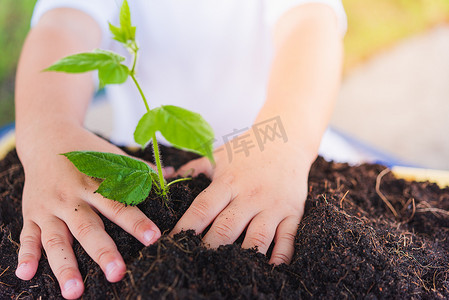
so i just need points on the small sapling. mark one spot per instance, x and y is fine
(126, 179)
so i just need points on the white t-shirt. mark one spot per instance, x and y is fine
(210, 56)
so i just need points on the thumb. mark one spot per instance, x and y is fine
(195, 167)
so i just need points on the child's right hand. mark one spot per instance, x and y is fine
(59, 204)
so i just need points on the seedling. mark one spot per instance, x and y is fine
(125, 179)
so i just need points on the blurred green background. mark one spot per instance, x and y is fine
(373, 25)
(14, 23)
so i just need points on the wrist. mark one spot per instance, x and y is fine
(289, 137)
(44, 136)
(303, 152)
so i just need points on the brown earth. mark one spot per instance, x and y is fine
(349, 245)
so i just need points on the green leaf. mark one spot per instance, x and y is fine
(88, 61)
(117, 33)
(126, 32)
(125, 22)
(126, 179)
(131, 189)
(102, 164)
(113, 74)
(184, 129)
(109, 65)
(147, 127)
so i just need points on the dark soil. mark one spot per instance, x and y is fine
(349, 245)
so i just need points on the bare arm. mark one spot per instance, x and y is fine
(305, 75)
(58, 202)
(46, 98)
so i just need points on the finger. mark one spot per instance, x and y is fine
(30, 251)
(130, 218)
(229, 224)
(196, 167)
(57, 244)
(206, 206)
(87, 227)
(168, 172)
(285, 241)
(260, 232)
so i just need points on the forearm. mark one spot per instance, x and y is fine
(48, 102)
(305, 75)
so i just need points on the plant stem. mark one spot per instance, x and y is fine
(159, 165)
(134, 49)
(157, 157)
(140, 91)
(178, 180)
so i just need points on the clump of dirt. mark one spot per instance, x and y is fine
(348, 245)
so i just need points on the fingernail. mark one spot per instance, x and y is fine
(148, 236)
(21, 268)
(110, 269)
(168, 171)
(70, 285)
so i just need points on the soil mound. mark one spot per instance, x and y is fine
(349, 244)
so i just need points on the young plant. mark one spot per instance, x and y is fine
(125, 179)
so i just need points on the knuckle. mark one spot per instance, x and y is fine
(199, 210)
(254, 191)
(63, 197)
(227, 180)
(88, 182)
(118, 209)
(65, 271)
(26, 257)
(102, 253)
(281, 258)
(85, 228)
(138, 224)
(29, 242)
(260, 240)
(287, 237)
(223, 231)
(55, 241)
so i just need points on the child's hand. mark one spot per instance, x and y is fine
(59, 203)
(264, 192)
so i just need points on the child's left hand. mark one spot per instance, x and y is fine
(264, 192)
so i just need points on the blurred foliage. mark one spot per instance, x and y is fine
(373, 25)
(14, 24)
